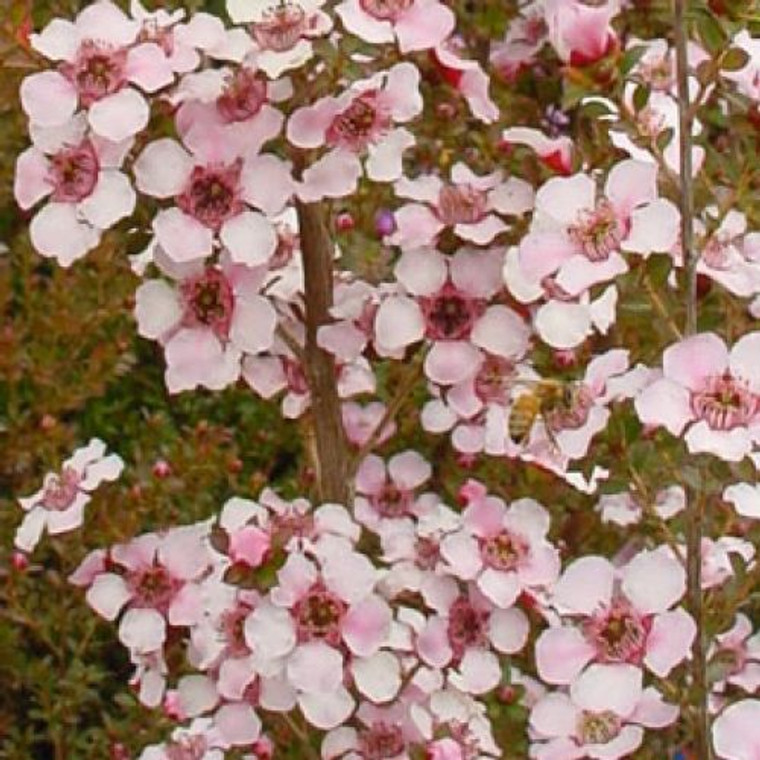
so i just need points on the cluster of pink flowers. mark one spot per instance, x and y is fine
(394, 651)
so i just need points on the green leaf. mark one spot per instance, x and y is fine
(734, 59)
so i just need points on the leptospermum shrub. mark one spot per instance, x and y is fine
(500, 264)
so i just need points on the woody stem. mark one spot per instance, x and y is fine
(694, 528)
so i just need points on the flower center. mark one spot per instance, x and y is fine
(381, 741)
(505, 551)
(598, 727)
(319, 614)
(494, 380)
(716, 252)
(231, 627)
(467, 627)
(97, 71)
(450, 313)
(281, 27)
(427, 552)
(61, 490)
(392, 501)
(461, 204)
(189, 748)
(386, 10)
(618, 633)
(360, 124)
(244, 94)
(597, 232)
(725, 403)
(154, 587)
(73, 172)
(212, 194)
(208, 301)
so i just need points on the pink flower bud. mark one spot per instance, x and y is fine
(344, 221)
(20, 561)
(161, 469)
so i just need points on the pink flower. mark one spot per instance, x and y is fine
(504, 550)
(464, 636)
(154, 578)
(323, 617)
(207, 322)
(446, 300)
(213, 188)
(100, 57)
(386, 493)
(78, 173)
(576, 237)
(623, 617)
(200, 740)
(602, 716)
(580, 33)
(361, 120)
(736, 731)
(281, 32)
(625, 509)
(468, 204)
(416, 24)
(735, 655)
(712, 391)
(360, 422)
(59, 505)
(227, 105)
(572, 424)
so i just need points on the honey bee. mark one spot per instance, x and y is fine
(550, 400)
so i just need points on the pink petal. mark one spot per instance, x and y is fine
(508, 630)
(665, 403)
(157, 309)
(119, 116)
(561, 654)
(48, 98)
(736, 731)
(326, 711)
(608, 687)
(163, 168)
(112, 200)
(563, 325)
(729, 445)
(554, 715)
(409, 470)
(479, 672)
(416, 226)
(398, 323)
(694, 359)
(669, 641)
(366, 626)
(630, 184)
(502, 332)
(451, 361)
(543, 253)
(562, 199)
(31, 179)
(461, 552)
(182, 237)
(499, 587)
(386, 157)
(238, 723)
(315, 668)
(57, 232)
(148, 67)
(424, 25)
(585, 586)
(58, 41)
(744, 361)
(477, 273)
(654, 581)
(360, 23)
(334, 175)
(577, 274)
(377, 677)
(307, 126)
(142, 630)
(250, 238)
(402, 89)
(267, 183)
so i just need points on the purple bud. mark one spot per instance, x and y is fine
(385, 222)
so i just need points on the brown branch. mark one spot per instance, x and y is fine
(695, 504)
(331, 452)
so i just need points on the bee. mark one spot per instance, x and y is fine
(550, 400)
